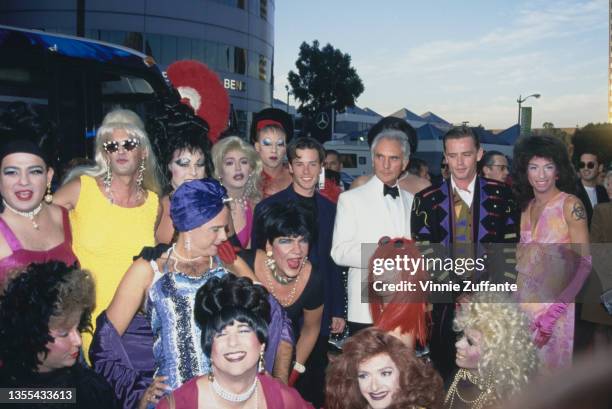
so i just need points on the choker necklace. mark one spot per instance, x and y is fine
(29, 215)
(234, 397)
(281, 279)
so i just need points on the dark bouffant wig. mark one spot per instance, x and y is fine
(41, 297)
(394, 123)
(282, 219)
(543, 147)
(419, 384)
(178, 128)
(222, 301)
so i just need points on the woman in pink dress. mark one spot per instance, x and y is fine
(32, 229)
(551, 271)
(233, 314)
(238, 167)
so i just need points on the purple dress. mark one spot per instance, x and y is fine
(21, 257)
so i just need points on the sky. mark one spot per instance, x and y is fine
(464, 60)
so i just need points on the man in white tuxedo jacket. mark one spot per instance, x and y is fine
(366, 213)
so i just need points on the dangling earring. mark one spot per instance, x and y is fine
(262, 365)
(188, 244)
(48, 197)
(108, 178)
(304, 260)
(270, 263)
(249, 188)
(140, 177)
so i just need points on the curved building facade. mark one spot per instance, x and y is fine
(235, 38)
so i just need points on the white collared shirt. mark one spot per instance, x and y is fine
(466, 195)
(395, 207)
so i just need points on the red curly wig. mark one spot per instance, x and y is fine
(202, 89)
(404, 309)
(419, 384)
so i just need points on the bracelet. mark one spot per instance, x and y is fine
(299, 367)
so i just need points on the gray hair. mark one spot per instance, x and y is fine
(394, 135)
(131, 123)
(608, 178)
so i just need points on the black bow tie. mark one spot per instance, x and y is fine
(392, 191)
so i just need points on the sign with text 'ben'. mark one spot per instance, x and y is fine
(234, 85)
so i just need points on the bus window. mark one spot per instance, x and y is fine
(349, 160)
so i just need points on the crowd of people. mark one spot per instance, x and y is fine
(177, 273)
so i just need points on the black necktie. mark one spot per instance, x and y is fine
(392, 191)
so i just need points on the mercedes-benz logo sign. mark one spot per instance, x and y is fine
(322, 120)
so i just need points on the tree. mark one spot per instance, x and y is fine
(324, 78)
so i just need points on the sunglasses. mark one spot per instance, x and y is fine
(128, 144)
(588, 165)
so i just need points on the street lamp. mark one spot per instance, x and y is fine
(520, 101)
(287, 88)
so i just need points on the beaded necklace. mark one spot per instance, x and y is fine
(485, 396)
(288, 300)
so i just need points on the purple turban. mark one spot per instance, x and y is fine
(196, 202)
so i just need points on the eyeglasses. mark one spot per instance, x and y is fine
(128, 144)
(589, 165)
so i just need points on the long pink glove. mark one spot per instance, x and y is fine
(583, 270)
(544, 323)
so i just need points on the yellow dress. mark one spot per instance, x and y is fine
(106, 238)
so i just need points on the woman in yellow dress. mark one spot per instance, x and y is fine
(113, 205)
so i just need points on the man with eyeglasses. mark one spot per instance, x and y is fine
(495, 166)
(588, 190)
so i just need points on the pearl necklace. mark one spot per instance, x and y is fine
(172, 253)
(235, 397)
(30, 215)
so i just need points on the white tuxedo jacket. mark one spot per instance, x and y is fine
(364, 216)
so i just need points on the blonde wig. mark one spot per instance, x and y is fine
(508, 355)
(131, 123)
(220, 149)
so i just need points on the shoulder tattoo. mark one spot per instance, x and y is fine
(578, 211)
